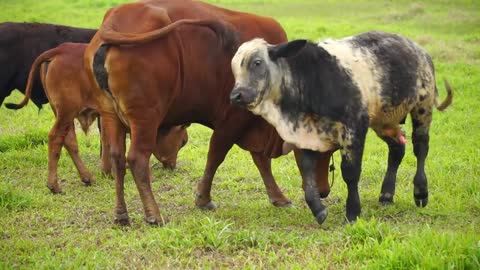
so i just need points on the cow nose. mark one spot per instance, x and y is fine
(236, 96)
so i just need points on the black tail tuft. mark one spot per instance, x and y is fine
(13, 106)
(101, 74)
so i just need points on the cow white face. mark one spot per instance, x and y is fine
(259, 71)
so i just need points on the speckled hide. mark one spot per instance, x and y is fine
(324, 96)
(316, 98)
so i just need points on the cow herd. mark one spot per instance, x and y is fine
(155, 66)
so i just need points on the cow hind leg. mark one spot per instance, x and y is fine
(396, 152)
(141, 147)
(116, 133)
(56, 139)
(105, 162)
(273, 191)
(421, 119)
(308, 163)
(72, 149)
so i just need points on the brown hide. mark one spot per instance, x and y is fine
(184, 76)
(71, 96)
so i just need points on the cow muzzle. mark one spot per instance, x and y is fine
(242, 96)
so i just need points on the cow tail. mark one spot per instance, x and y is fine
(111, 36)
(89, 55)
(31, 78)
(448, 100)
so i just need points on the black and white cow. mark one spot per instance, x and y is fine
(323, 97)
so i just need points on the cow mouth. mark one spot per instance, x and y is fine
(251, 106)
(244, 104)
(243, 97)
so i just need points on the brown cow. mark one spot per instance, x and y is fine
(179, 72)
(71, 96)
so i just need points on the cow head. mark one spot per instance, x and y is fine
(169, 143)
(259, 70)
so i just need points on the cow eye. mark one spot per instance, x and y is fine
(257, 63)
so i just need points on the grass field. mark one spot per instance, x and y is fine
(39, 230)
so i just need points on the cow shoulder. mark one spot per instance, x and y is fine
(321, 85)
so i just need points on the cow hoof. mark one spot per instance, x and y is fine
(122, 219)
(87, 181)
(421, 198)
(350, 222)
(320, 217)
(324, 194)
(169, 166)
(203, 203)
(208, 206)
(386, 199)
(55, 188)
(282, 203)
(421, 202)
(386, 203)
(154, 221)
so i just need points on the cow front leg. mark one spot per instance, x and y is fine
(396, 152)
(218, 149)
(351, 168)
(352, 154)
(322, 169)
(273, 191)
(72, 148)
(307, 166)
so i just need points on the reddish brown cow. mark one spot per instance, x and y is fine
(179, 72)
(71, 96)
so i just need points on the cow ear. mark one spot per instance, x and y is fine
(287, 49)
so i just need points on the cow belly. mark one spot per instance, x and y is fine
(306, 138)
(390, 117)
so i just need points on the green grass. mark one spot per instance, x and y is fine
(75, 229)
